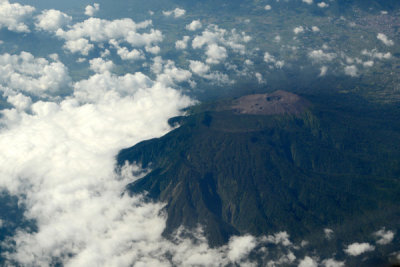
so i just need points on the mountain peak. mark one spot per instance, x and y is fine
(278, 102)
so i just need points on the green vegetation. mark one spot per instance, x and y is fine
(337, 165)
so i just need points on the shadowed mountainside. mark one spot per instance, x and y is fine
(238, 173)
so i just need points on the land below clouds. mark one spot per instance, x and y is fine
(273, 162)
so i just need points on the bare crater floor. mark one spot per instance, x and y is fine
(278, 102)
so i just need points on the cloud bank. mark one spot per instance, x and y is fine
(59, 159)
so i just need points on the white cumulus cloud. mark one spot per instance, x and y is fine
(199, 67)
(177, 12)
(384, 236)
(322, 5)
(62, 156)
(182, 44)
(351, 71)
(14, 15)
(308, 262)
(328, 232)
(217, 40)
(323, 71)
(168, 73)
(298, 29)
(279, 238)
(125, 53)
(239, 247)
(215, 54)
(81, 45)
(375, 54)
(194, 25)
(35, 76)
(315, 29)
(268, 58)
(382, 37)
(51, 20)
(91, 10)
(356, 249)
(95, 31)
(99, 65)
(321, 56)
(333, 263)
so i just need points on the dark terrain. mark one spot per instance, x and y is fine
(305, 168)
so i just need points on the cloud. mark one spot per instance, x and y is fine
(328, 232)
(177, 12)
(267, 7)
(351, 71)
(35, 76)
(219, 78)
(99, 65)
(13, 16)
(60, 156)
(194, 25)
(91, 10)
(356, 249)
(19, 101)
(322, 5)
(368, 63)
(51, 20)
(285, 259)
(199, 67)
(155, 49)
(182, 44)
(99, 31)
(215, 54)
(320, 56)
(259, 78)
(375, 54)
(279, 238)
(80, 45)
(308, 1)
(323, 71)
(268, 58)
(248, 62)
(333, 263)
(315, 29)
(217, 40)
(106, 84)
(382, 37)
(124, 52)
(203, 70)
(67, 175)
(384, 237)
(168, 73)
(134, 54)
(308, 262)
(239, 247)
(298, 29)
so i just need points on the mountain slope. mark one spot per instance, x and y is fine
(243, 173)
